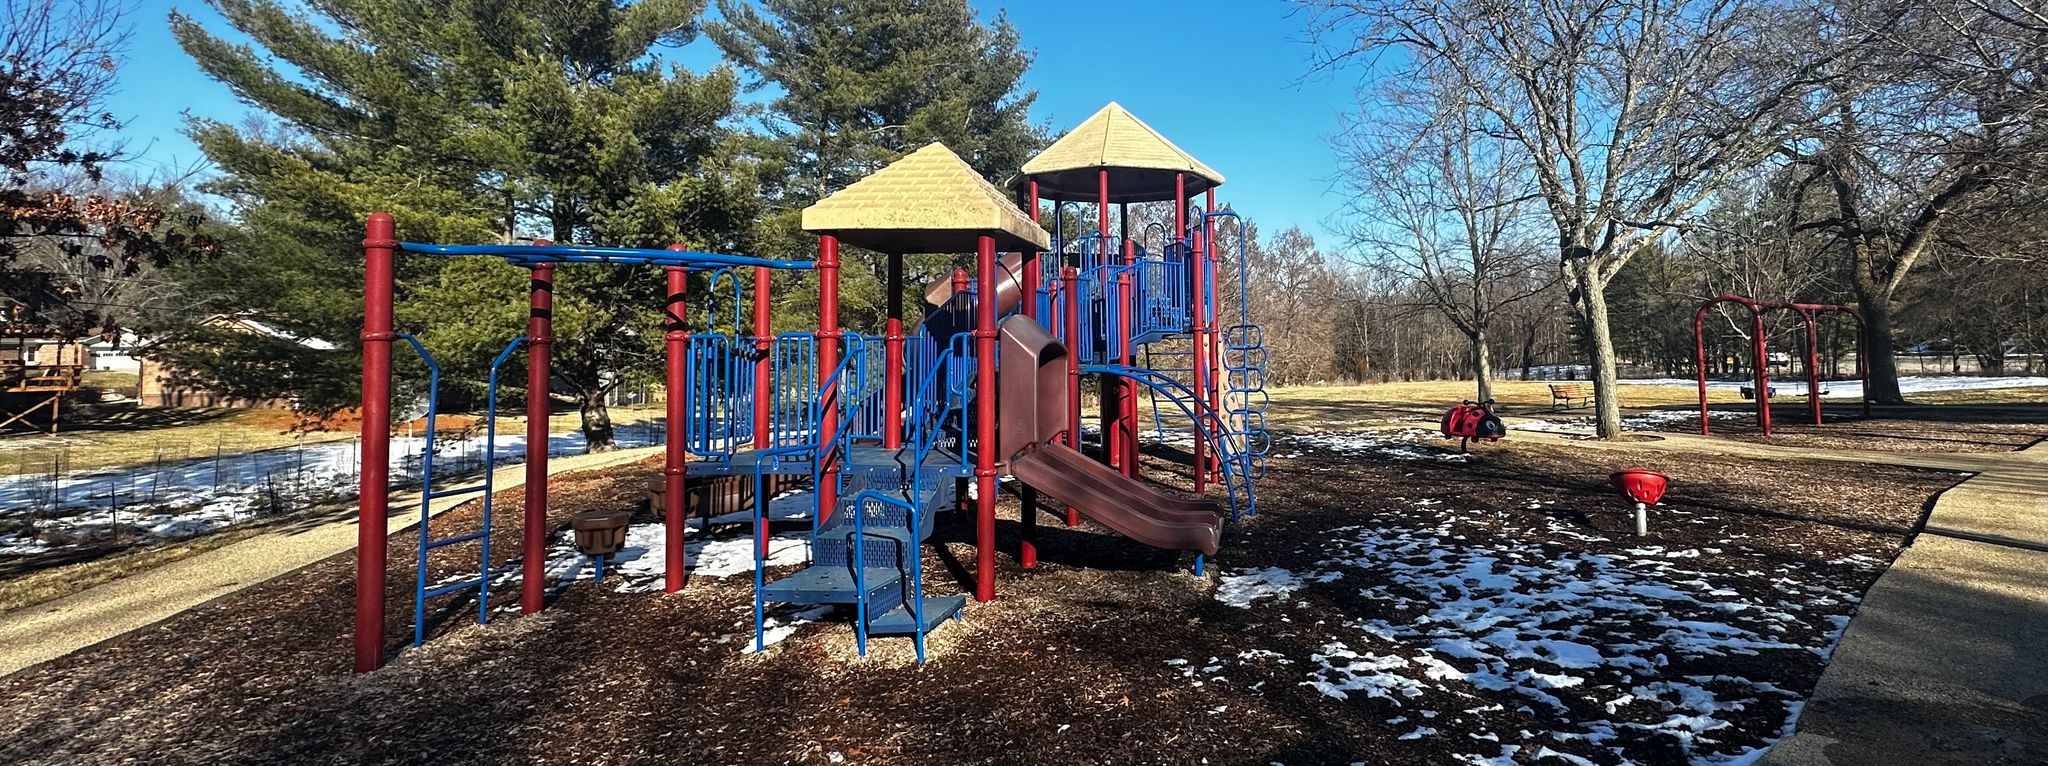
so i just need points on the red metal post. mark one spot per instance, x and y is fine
(374, 491)
(540, 339)
(1763, 369)
(675, 464)
(985, 421)
(892, 352)
(828, 359)
(1071, 279)
(1107, 387)
(1812, 365)
(1213, 334)
(1862, 356)
(764, 345)
(1194, 268)
(1027, 549)
(1127, 396)
(1699, 357)
(959, 485)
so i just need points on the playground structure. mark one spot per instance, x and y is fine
(26, 389)
(1760, 353)
(888, 429)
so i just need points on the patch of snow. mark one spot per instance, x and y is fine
(1405, 444)
(1240, 590)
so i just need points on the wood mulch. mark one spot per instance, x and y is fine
(1071, 664)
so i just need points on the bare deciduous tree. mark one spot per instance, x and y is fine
(1441, 202)
(1633, 112)
(1945, 121)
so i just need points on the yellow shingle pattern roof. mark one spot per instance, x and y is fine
(928, 201)
(1115, 138)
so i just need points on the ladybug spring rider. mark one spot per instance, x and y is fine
(1470, 420)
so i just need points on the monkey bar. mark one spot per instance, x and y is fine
(1759, 344)
(380, 246)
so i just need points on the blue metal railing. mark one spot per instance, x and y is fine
(721, 391)
(793, 390)
(1209, 426)
(427, 543)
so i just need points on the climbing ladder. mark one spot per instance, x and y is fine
(481, 583)
(1245, 400)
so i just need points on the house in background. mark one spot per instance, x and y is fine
(161, 386)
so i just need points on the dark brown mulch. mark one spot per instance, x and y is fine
(1071, 664)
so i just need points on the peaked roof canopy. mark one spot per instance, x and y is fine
(1141, 163)
(929, 201)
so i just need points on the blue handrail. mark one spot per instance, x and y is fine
(1208, 425)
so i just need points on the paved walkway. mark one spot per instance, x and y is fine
(1946, 660)
(40, 633)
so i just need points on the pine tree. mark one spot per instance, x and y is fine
(470, 121)
(862, 83)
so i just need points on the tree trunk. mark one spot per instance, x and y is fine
(597, 421)
(1592, 304)
(1880, 359)
(1482, 366)
(1529, 350)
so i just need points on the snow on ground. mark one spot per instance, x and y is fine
(191, 497)
(1605, 648)
(1853, 389)
(1405, 444)
(639, 567)
(1658, 420)
(1240, 590)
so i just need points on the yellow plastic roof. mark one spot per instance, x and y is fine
(1140, 161)
(930, 201)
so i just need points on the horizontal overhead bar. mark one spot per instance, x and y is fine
(528, 255)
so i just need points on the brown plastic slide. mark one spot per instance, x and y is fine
(1126, 505)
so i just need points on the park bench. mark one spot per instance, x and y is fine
(1563, 394)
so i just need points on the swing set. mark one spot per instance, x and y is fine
(1808, 314)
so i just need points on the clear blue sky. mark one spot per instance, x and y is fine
(1239, 104)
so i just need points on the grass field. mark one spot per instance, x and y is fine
(1338, 405)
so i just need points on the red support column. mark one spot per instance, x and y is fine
(1107, 387)
(1212, 333)
(1127, 393)
(959, 485)
(374, 491)
(1194, 269)
(1812, 366)
(1027, 550)
(675, 465)
(1071, 279)
(540, 339)
(892, 352)
(764, 345)
(1763, 369)
(1699, 355)
(985, 421)
(828, 359)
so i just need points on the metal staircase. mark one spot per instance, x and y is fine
(867, 553)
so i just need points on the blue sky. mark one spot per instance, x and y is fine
(1235, 95)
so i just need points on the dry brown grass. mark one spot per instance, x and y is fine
(1397, 401)
(1382, 402)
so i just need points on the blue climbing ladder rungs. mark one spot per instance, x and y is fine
(427, 543)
